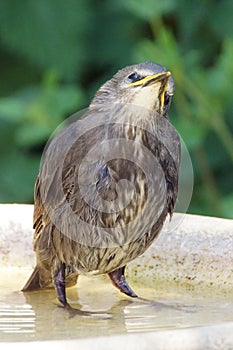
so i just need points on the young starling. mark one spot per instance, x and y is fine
(107, 182)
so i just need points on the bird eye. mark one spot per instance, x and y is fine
(135, 77)
(166, 99)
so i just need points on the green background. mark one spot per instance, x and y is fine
(56, 53)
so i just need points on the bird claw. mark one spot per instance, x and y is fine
(118, 279)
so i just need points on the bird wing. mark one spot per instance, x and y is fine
(38, 222)
(88, 187)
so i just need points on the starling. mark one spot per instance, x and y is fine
(107, 182)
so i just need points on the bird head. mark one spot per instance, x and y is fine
(146, 84)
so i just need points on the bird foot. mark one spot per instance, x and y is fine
(118, 279)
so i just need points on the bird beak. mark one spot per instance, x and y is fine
(152, 79)
(161, 78)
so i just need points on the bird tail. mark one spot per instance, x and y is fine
(41, 278)
(37, 280)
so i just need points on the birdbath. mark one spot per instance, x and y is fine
(184, 280)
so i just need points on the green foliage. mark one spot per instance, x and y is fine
(149, 10)
(27, 119)
(49, 34)
(55, 54)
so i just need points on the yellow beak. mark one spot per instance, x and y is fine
(151, 79)
(161, 78)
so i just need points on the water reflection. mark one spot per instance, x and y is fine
(36, 315)
(16, 318)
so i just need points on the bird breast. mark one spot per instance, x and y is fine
(106, 188)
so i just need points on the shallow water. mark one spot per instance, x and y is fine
(36, 315)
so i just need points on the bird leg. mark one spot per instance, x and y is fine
(59, 278)
(118, 279)
(60, 284)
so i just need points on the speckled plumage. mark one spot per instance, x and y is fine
(115, 236)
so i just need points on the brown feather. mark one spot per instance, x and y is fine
(118, 245)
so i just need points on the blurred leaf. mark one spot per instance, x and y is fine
(226, 206)
(221, 18)
(50, 34)
(191, 15)
(113, 34)
(220, 78)
(191, 133)
(217, 156)
(46, 112)
(12, 109)
(149, 9)
(17, 177)
(31, 135)
(193, 31)
(164, 50)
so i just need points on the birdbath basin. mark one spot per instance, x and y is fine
(185, 279)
